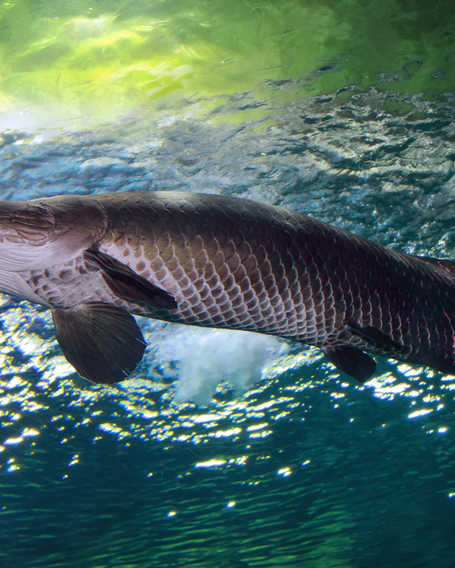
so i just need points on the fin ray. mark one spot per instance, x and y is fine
(102, 342)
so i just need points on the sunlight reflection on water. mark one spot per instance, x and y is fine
(312, 460)
(39, 391)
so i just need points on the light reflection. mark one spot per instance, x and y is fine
(284, 471)
(74, 460)
(408, 371)
(12, 465)
(421, 412)
(13, 441)
(206, 418)
(210, 463)
(255, 427)
(241, 460)
(144, 409)
(226, 433)
(114, 429)
(261, 434)
(337, 395)
(387, 387)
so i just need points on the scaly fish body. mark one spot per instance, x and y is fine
(219, 262)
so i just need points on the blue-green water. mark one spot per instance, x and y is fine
(288, 464)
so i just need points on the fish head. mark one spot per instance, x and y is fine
(43, 232)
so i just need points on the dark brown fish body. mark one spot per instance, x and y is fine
(220, 262)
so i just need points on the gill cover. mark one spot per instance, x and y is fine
(43, 232)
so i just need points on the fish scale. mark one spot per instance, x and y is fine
(283, 295)
(220, 262)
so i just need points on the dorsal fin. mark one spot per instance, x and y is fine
(445, 263)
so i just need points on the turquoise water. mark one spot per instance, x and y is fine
(222, 451)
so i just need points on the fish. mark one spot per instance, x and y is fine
(97, 261)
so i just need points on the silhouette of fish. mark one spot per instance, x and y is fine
(222, 262)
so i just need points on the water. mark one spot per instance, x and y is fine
(227, 451)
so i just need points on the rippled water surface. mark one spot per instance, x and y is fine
(222, 451)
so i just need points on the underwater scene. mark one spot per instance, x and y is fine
(229, 449)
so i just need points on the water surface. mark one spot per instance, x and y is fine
(340, 111)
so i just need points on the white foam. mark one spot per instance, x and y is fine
(205, 357)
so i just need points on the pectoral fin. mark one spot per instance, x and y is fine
(102, 342)
(127, 284)
(352, 361)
